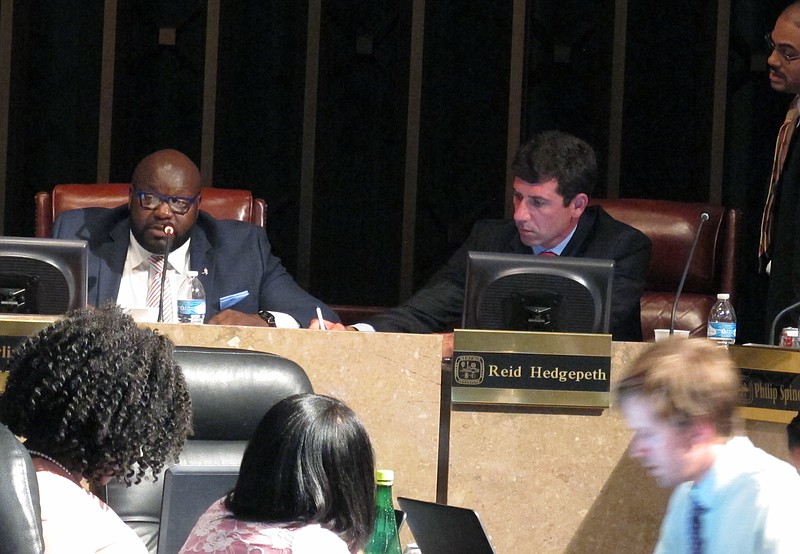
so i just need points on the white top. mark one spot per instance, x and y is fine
(74, 521)
(133, 285)
(753, 502)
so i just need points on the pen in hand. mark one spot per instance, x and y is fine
(321, 320)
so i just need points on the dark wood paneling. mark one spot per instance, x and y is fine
(158, 81)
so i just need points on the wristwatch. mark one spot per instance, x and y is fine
(268, 317)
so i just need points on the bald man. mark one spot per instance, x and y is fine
(780, 223)
(244, 283)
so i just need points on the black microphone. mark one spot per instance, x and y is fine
(703, 219)
(781, 313)
(169, 230)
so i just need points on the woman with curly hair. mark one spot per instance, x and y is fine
(306, 486)
(96, 398)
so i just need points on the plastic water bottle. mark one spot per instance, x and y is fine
(384, 539)
(191, 300)
(722, 321)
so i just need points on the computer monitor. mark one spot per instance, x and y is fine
(523, 292)
(42, 276)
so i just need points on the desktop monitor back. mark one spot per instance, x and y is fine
(42, 276)
(523, 292)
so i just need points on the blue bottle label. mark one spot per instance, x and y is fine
(192, 307)
(720, 330)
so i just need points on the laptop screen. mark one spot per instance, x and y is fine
(442, 529)
(188, 492)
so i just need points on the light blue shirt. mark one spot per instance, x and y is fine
(557, 249)
(753, 502)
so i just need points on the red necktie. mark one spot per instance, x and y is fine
(547, 253)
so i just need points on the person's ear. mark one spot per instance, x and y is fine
(702, 432)
(580, 202)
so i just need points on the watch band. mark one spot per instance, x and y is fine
(268, 317)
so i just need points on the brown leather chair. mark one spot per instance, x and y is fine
(672, 227)
(221, 203)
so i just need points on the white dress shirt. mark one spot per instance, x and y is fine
(133, 286)
(753, 502)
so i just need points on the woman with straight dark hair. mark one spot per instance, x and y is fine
(306, 485)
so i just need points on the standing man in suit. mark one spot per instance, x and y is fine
(555, 174)
(780, 223)
(244, 283)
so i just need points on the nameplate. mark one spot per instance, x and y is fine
(531, 369)
(770, 388)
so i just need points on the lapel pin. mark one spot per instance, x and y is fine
(205, 271)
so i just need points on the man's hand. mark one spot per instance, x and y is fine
(330, 325)
(233, 317)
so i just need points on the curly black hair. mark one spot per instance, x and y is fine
(99, 394)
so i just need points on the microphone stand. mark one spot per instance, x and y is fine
(169, 230)
(781, 313)
(703, 219)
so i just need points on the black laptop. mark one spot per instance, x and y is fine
(188, 491)
(442, 529)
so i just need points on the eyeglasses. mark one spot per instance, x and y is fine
(780, 49)
(178, 204)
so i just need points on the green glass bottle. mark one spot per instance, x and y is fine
(384, 539)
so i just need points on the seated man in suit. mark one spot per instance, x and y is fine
(241, 277)
(554, 175)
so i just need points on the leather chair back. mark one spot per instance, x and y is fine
(20, 514)
(231, 390)
(672, 227)
(220, 203)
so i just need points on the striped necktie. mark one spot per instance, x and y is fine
(154, 287)
(781, 147)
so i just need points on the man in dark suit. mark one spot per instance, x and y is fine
(781, 220)
(555, 174)
(244, 283)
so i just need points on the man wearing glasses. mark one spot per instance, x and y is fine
(244, 283)
(780, 223)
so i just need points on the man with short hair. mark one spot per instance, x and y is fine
(680, 399)
(780, 223)
(244, 283)
(555, 174)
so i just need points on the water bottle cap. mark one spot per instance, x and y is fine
(723, 296)
(384, 476)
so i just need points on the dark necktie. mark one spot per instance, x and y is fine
(696, 526)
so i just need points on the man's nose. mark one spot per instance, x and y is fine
(774, 59)
(163, 210)
(521, 212)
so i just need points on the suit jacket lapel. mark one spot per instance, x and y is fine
(112, 255)
(201, 259)
(585, 225)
